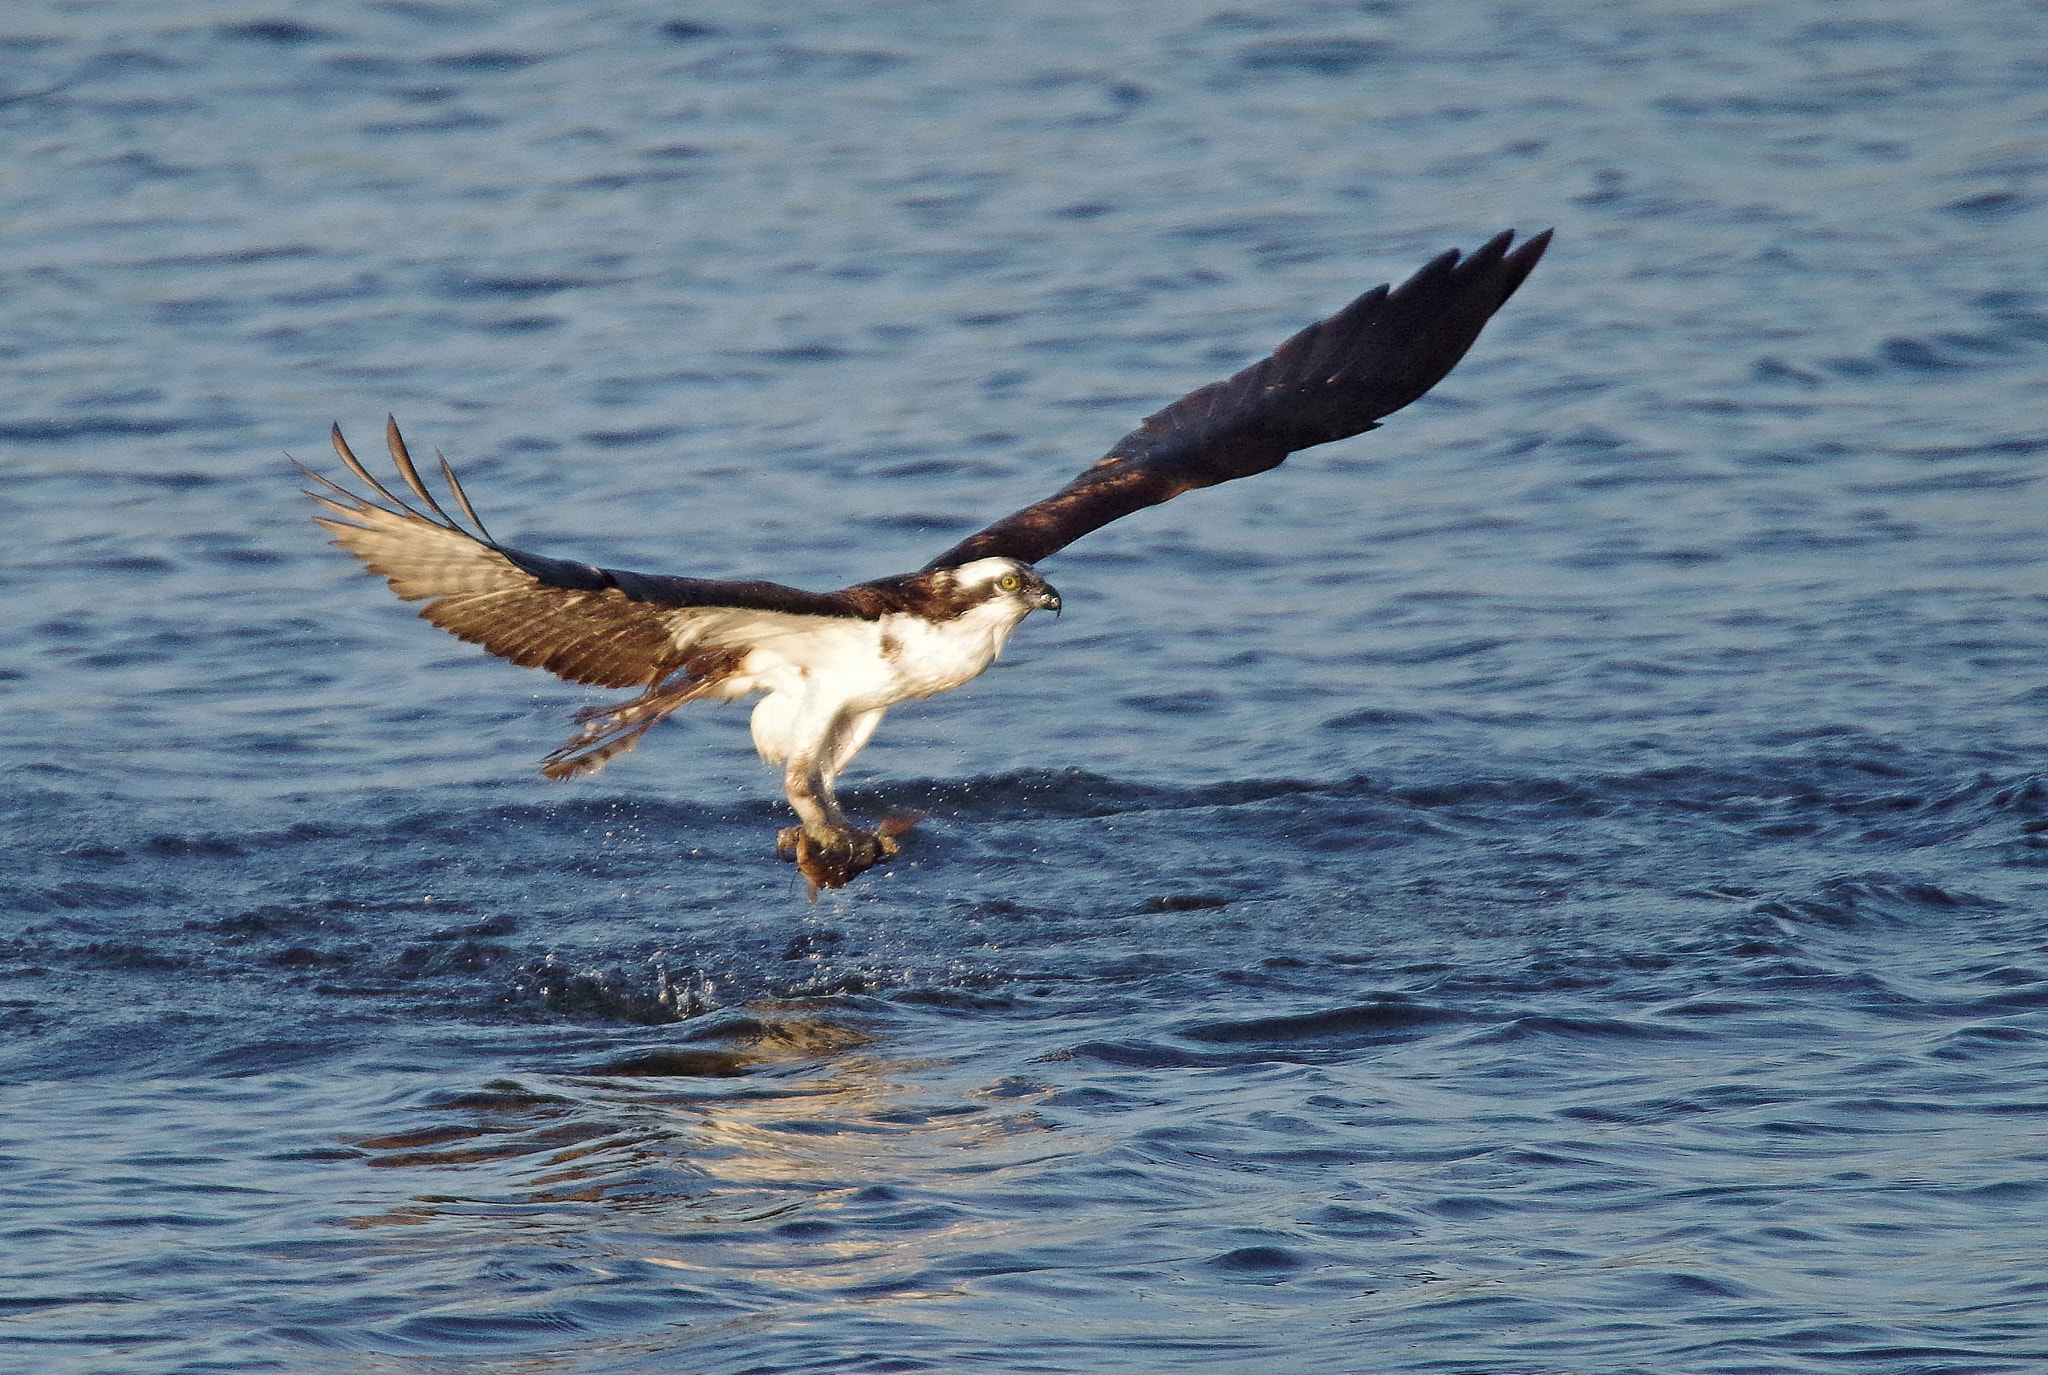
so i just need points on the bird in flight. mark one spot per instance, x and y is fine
(829, 664)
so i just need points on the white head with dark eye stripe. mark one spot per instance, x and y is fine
(1005, 581)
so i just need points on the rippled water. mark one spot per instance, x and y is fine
(1556, 885)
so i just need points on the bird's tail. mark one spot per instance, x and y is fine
(608, 732)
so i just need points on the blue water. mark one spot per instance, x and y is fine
(1557, 885)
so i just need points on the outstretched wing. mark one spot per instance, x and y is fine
(603, 626)
(1333, 380)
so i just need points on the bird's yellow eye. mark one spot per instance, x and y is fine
(1009, 582)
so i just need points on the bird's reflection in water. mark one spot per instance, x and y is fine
(784, 1147)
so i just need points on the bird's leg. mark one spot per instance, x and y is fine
(826, 849)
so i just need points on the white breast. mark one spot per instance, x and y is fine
(926, 657)
(845, 668)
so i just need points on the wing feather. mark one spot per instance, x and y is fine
(1335, 379)
(602, 626)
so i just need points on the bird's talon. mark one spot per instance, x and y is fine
(835, 859)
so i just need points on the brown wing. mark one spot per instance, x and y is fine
(603, 626)
(1333, 380)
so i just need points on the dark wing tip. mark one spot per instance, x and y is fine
(1523, 260)
(1491, 261)
(408, 472)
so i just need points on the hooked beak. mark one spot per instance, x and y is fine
(1049, 600)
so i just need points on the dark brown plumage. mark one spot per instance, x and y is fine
(1335, 379)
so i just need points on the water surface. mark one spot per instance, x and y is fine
(1553, 886)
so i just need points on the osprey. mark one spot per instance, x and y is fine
(829, 664)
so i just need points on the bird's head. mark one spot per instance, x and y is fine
(1006, 581)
